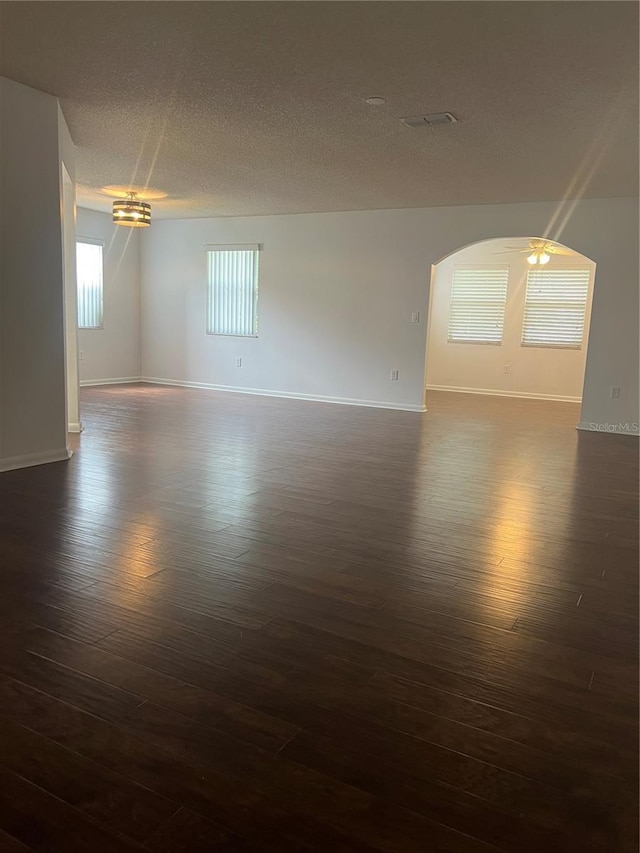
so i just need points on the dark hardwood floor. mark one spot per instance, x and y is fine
(235, 623)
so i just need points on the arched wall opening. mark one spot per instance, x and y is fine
(508, 361)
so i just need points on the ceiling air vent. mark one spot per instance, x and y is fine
(430, 120)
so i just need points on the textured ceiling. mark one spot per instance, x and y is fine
(258, 107)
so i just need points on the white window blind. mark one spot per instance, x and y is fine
(476, 308)
(232, 294)
(555, 308)
(90, 284)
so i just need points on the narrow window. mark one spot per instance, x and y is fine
(90, 284)
(232, 293)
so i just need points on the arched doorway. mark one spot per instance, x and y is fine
(510, 317)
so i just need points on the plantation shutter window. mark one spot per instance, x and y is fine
(477, 305)
(555, 308)
(232, 292)
(89, 277)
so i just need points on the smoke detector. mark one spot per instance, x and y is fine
(430, 120)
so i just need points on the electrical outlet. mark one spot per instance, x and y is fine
(415, 317)
(238, 362)
(81, 354)
(506, 368)
(615, 391)
(394, 375)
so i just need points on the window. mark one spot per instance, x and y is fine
(476, 309)
(89, 278)
(232, 294)
(555, 307)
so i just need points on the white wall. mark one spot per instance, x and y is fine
(337, 292)
(534, 371)
(334, 307)
(113, 352)
(32, 344)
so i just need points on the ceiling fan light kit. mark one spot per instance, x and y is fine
(538, 252)
(539, 256)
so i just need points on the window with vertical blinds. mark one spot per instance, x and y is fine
(555, 308)
(90, 284)
(232, 294)
(476, 308)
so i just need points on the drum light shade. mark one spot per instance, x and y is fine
(132, 212)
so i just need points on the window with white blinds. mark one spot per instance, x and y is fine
(232, 293)
(555, 308)
(476, 308)
(90, 284)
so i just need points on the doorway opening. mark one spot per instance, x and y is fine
(510, 317)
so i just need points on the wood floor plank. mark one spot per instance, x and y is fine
(111, 799)
(188, 832)
(234, 623)
(549, 735)
(497, 826)
(45, 823)
(214, 797)
(533, 699)
(189, 700)
(67, 684)
(312, 794)
(9, 844)
(31, 607)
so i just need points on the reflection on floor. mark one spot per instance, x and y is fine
(241, 623)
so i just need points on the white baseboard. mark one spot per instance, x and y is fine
(610, 429)
(289, 395)
(119, 380)
(75, 427)
(30, 459)
(493, 393)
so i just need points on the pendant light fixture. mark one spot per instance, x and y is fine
(132, 212)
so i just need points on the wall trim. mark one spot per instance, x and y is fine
(494, 393)
(118, 380)
(30, 459)
(610, 429)
(75, 428)
(289, 395)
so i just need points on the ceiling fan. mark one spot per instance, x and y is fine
(538, 251)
